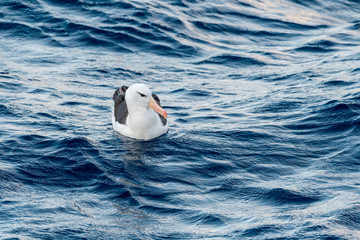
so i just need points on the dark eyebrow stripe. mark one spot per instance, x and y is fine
(142, 95)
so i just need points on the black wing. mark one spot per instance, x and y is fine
(120, 107)
(157, 100)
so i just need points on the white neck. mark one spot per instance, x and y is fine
(141, 120)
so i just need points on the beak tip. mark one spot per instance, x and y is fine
(157, 108)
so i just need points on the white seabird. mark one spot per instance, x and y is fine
(138, 113)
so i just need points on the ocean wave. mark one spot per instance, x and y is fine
(232, 60)
(333, 116)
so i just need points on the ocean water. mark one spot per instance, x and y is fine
(263, 102)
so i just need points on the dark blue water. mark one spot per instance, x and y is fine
(263, 101)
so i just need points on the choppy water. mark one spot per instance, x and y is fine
(264, 110)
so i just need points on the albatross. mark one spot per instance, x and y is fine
(138, 113)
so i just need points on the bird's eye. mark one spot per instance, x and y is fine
(142, 95)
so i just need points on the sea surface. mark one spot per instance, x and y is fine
(263, 102)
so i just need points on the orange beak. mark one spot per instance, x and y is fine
(153, 104)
